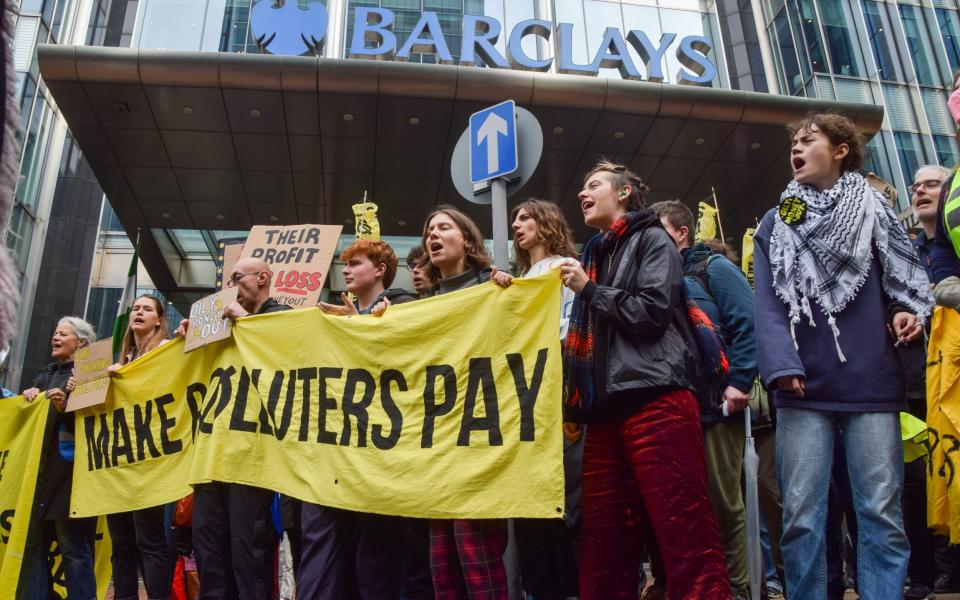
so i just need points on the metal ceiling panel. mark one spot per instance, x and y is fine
(422, 159)
(557, 166)
(313, 214)
(404, 192)
(301, 113)
(188, 108)
(644, 166)
(299, 74)
(151, 183)
(589, 160)
(729, 178)
(566, 128)
(211, 185)
(166, 68)
(633, 97)
(308, 188)
(348, 115)
(489, 86)
(262, 152)
(217, 215)
(249, 72)
(71, 99)
(700, 139)
(120, 105)
(344, 190)
(168, 214)
(411, 80)
(200, 149)
(352, 156)
(660, 136)
(96, 147)
(255, 111)
(553, 91)
(619, 133)
(677, 174)
(415, 119)
(115, 185)
(305, 153)
(274, 214)
(274, 187)
(770, 141)
(138, 147)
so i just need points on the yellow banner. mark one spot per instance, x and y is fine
(706, 223)
(21, 444)
(746, 255)
(943, 422)
(445, 407)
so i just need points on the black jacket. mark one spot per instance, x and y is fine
(642, 342)
(56, 475)
(394, 295)
(271, 306)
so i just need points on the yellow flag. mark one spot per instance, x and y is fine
(943, 423)
(746, 256)
(457, 397)
(22, 425)
(706, 222)
(366, 221)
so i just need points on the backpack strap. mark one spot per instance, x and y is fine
(701, 275)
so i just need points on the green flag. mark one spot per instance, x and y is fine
(126, 302)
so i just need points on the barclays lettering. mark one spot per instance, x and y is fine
(287, 29)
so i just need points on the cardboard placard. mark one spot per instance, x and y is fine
(229, 255)
(206, 324)
(90, 371)
(299, 256)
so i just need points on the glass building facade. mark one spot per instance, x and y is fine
(898, 54)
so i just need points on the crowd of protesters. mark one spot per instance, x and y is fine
(665, 343)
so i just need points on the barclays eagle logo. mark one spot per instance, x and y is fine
(286, 29)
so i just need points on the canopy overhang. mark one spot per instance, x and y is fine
(216, 141)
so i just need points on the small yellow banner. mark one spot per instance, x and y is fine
(457, 397)
(706, 222)
(943, 423)
(21, 444)
(746, 255)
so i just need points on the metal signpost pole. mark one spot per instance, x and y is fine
(498, 197)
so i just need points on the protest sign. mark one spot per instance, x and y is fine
(206, 322)
(298, 255)
(90, 372)
(21, 445)
(466, 403)
(228, 256)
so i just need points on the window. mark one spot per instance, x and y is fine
(918, 42)
(788, 53)
(947, 154)
(803, 13)
(31, 165)
(882, 41)
(19, 233)
(909, 152)
(949, 23)
(844, 57)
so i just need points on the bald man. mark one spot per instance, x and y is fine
(233, 534)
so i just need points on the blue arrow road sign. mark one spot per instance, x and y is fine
(493, 142)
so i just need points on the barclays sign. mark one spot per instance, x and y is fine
(287, 29)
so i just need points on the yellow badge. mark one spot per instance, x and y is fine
(793, 210)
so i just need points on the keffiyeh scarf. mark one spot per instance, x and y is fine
(578, 357)
(826, 253)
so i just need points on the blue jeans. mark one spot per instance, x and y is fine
(874, 454)
(75, 543)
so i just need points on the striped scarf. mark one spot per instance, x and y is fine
(578, 357)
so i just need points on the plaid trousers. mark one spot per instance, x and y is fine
(466, 559)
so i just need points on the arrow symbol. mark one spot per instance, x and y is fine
(493, 127)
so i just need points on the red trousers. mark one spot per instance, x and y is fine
(647, 473)
(466, 559)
